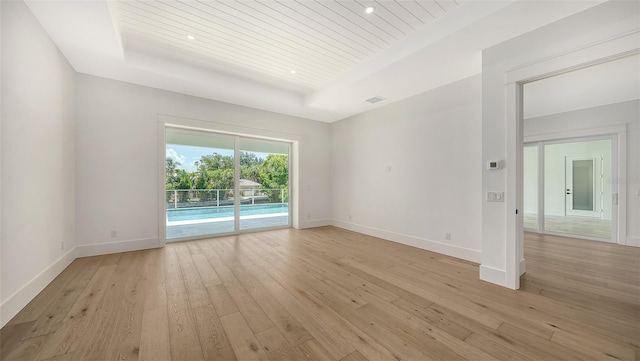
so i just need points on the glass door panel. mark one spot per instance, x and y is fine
(264, 184)
(531, 187)
(200, 185)
(580, 186)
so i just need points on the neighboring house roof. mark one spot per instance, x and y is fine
(247, 183)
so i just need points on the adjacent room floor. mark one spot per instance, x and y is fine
(331, 294)
(581, 226)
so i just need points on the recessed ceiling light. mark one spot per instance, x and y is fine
(369, 9)
(292, 72)
(191, 37)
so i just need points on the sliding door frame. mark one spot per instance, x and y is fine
(540, 187)
(227, 130)
(289, 180)
(617, 136)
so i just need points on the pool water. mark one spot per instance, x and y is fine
(189, 214)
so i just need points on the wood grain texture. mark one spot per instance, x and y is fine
(320, 40)
(330, 294)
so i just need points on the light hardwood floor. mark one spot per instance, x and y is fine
(330, 294)
(578, 226)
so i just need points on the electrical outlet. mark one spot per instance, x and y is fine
(114, 234)
(62, 245)
(308, 215)
(447, 236)
(349, 217)
(387, 169)
(495, 196)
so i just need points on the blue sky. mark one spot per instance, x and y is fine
(187, 155)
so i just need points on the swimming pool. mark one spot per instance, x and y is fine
(190, 214)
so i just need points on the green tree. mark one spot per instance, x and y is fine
(274, 175)
(171, 172)
(171, 177)
(249, 159)
(250, 166)
(182, 184)
(214, 161)
(214, 171)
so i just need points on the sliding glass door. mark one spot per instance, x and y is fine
(222, 184)
(530, 183)
(568, 188)
(264, 184)
(200, 183)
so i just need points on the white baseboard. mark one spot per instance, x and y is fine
(493, 275)
(633, 241)
(17, 301)
(433, 246)
(88, 250)
(523, 267)
(314, 223)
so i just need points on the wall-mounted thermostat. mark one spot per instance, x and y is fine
(493, 164)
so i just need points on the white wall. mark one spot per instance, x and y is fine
(586, 28)
(118, 153)
(633, 183)
(1, 172)
(38, 159)
(431, 145)
(612, 82)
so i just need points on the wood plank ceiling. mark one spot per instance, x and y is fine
(303, 43)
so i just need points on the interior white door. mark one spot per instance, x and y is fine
(580, 187)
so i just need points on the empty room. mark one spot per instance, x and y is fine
(320, 180)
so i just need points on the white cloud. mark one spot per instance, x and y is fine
(191, 165)
(171, 153)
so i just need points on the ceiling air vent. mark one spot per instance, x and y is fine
(374, 100)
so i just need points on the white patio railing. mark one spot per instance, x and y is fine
(193, 198)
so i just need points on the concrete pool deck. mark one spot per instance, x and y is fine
(224, 219)
(213, 226)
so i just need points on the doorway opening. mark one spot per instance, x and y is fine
(220, 184)
(606, 52)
